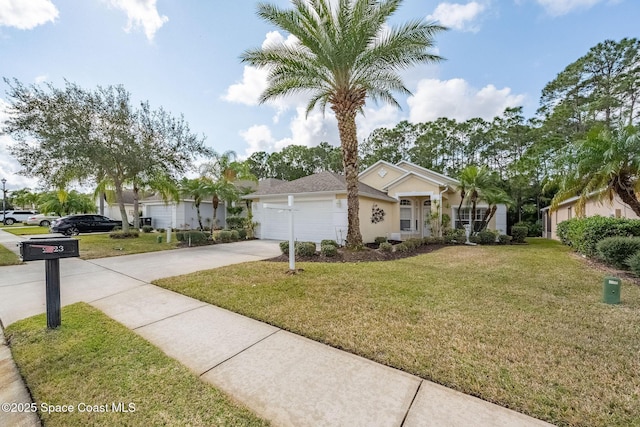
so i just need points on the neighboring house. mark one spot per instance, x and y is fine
(615, 208)
(183, 214)
(112, 210)
(396, 201)
(167, 214)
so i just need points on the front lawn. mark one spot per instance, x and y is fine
(7, 257)
(521, 326)
(101, 245)
(26, 230)
(93, 362)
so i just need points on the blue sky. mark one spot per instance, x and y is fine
(183, 56)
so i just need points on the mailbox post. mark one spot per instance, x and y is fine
(50, 250)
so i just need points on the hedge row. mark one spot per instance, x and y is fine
(583, 234)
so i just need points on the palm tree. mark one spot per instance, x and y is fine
(474, 181)
(221, 175)
(195, 188)
(606, 162)
(65, 202)
(493, 198)
(343, 56)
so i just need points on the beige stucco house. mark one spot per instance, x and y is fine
(594, 205)
(397, 201)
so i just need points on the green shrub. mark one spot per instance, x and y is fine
(131, 234)
(195, 237)
(147, 229)
(242, 232)
(519, 233)
(385, 247)
(235, 236)
(633, 262)
(161, 230)
(616, 250)
(328, 242)
(433, 240)
(180, 236)
(236, 222)
(329, 250)
(380, 239)
(534, 229)
(224, 236)
(403, 247)
(486, 237)
(504, 239)
(305, 248)
(453, 236)
(583, 234)
(234, 210)
(284, 247)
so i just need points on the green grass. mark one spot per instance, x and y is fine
(26, 230)
(94, 360)
(101, 245)
(521, 326)
(7, 257)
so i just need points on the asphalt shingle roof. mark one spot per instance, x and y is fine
(316, 183)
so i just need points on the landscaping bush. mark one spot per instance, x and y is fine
(453, 236)
(234, 210)
(616, 250)
(413, 243)
(519, 233)
(534, 229)
(633, 262)
(329, 242)
(180, 236)
(147, 229)
(305, 248)
(403, 247)
(583, 234)
(385, 247)
(236, 222)
(486, 237)
(235, 236)
(433, 240)
(161, 230)
(504, 239)
(380, 239)
(242, 232)
(131, 234)
(329, 250)
(224, 236)
(284, 247)
(195, 237)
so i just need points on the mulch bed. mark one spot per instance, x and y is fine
(625, 275)
(365, 255)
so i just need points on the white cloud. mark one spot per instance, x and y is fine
(141, 13)
(248, 91)
(26, 14)
(562, 7)
(458, 16)
(259, 138)
(456, 99)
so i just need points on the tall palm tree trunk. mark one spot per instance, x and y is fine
(349, 143)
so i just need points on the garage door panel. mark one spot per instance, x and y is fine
(313, 221)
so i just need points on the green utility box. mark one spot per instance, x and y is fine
(611, 290)
(159, 239)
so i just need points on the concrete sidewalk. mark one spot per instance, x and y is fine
(282, 377)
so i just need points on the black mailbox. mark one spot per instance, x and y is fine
(38, 249)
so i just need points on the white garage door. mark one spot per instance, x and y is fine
(313, 222)
(160, 215)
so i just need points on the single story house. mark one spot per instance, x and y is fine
(396, 201)
(615, 208)
(167, 214)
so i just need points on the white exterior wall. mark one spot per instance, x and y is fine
(315, 219)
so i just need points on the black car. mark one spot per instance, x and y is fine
(76, 224)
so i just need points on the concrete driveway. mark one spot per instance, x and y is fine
(22, 287)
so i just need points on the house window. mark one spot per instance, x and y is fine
(406, 212)
(465, 216)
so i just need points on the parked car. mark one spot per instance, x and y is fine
(43, 220)
(11, 217)
(75, 224)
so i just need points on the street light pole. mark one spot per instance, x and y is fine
(4, 197)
